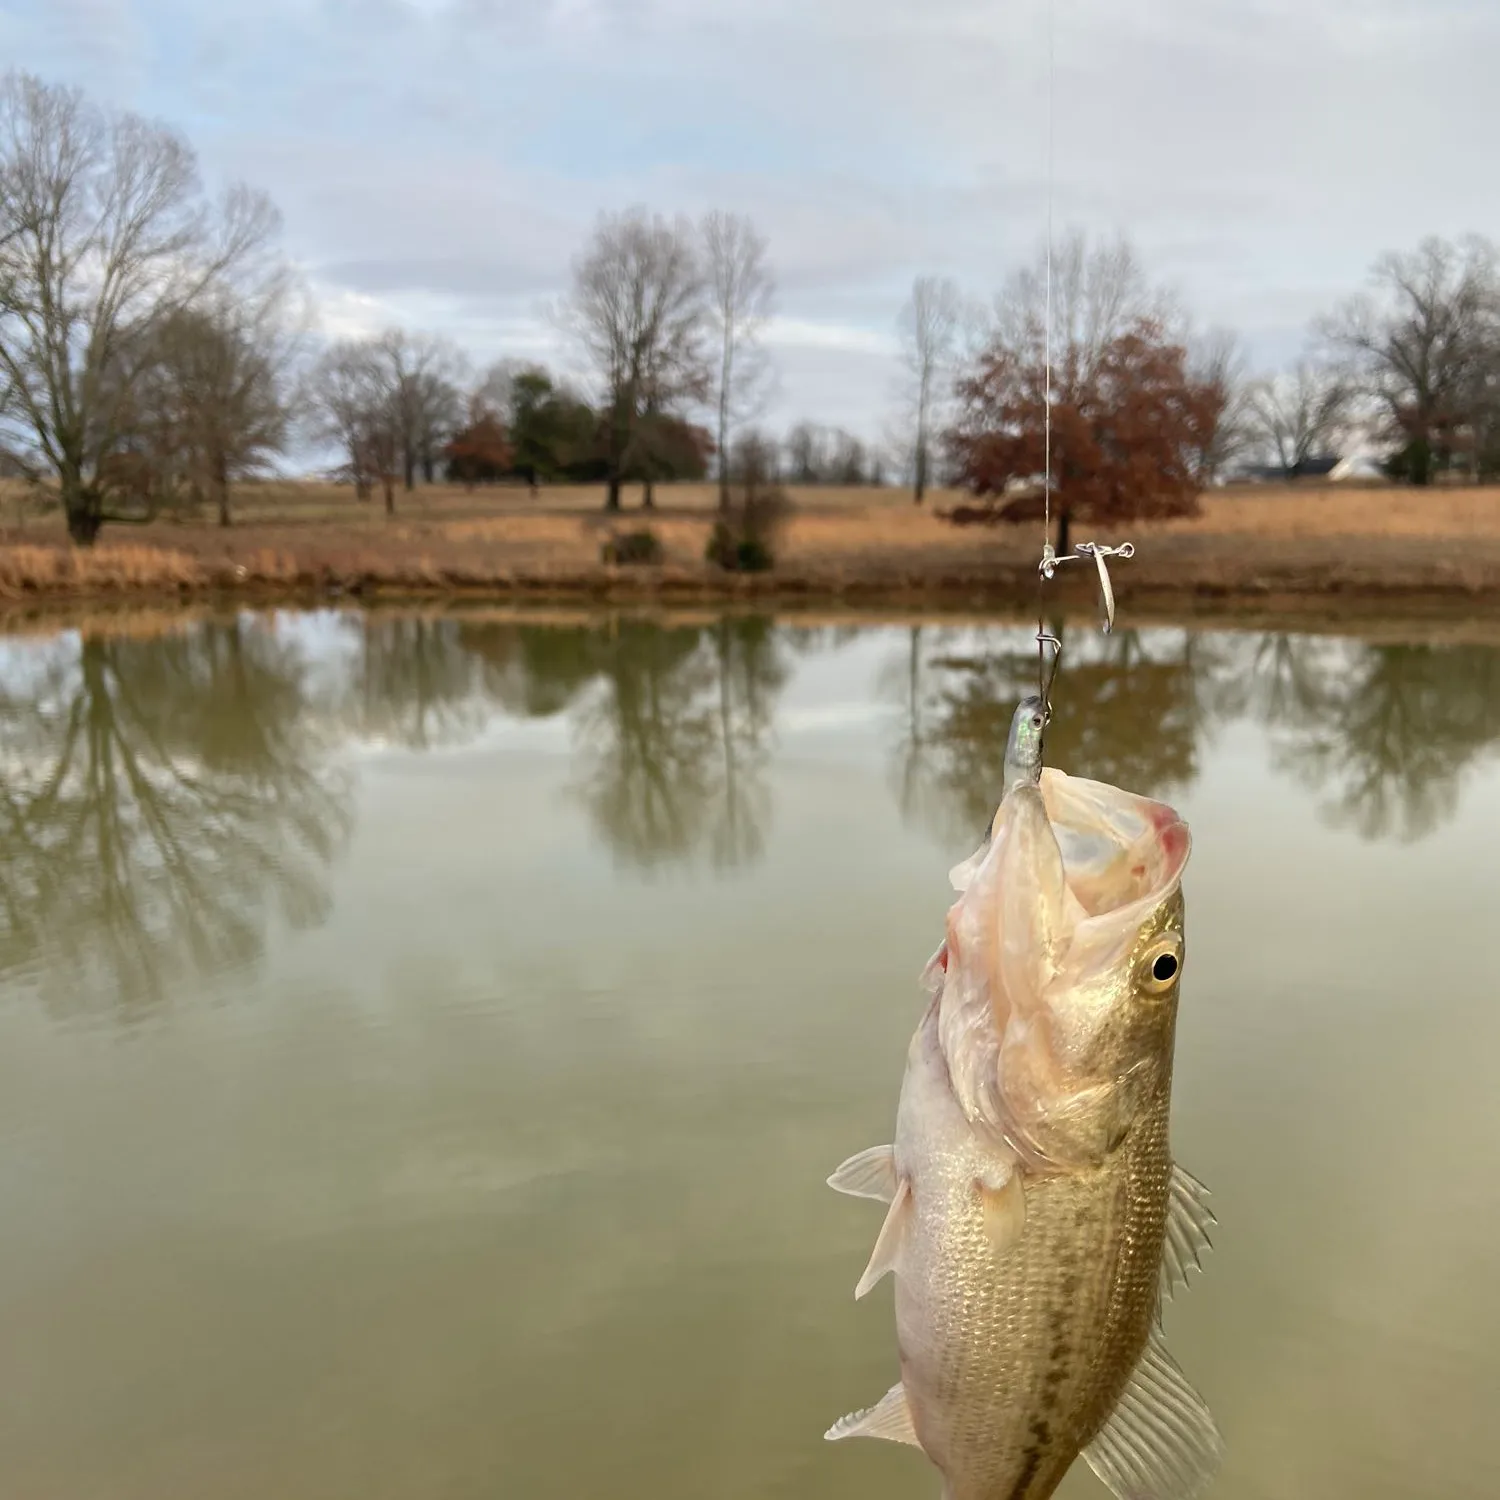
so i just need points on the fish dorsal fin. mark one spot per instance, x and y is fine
(1189, 1219)
(1161, 1443)
(887, 1252)
(889, 1418)
(871, 1174)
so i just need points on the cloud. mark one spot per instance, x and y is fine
(446, 158)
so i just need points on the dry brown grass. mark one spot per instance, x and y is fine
(28, 569)
(840, 544)
(1285, 512)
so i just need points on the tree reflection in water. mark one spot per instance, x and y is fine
(673, 741)
(1128, 713)
(1384, 734)
(1381, 734)
(672, 723)
(160, 795)
(414, 682)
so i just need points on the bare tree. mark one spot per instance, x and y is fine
(1216, 361)
(755, 459)
(741, 295)
(929, 326)
(1099, 290)
(443, 409)
(636, 309)
(1299, 414)
(805, 447)
(104, 235)
(1417, 343)
(423, 375)
(849, 462)
(350, 402)
(213, 400)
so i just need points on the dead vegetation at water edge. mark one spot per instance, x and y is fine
(831, 545)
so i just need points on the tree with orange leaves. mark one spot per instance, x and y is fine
(1129, 421)
(480, 451)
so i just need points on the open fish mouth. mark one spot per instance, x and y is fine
(1074, 879)
(1122, 855)
(1072, 868)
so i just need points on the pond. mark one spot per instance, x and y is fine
(424, 1039)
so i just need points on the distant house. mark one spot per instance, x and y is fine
(1319, 467)
(1336, 468)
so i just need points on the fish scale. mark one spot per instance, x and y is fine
(990, 1350)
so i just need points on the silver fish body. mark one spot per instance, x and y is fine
(1036, 1218)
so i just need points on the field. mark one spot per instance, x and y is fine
(1320, 548)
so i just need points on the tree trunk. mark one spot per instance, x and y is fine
(923, 398)
(620, 436)
(429, 466)
(409, 469)
(84, 509)
(725, 375)
(390, 495)
(1421, 462)
(648, 493)
(221, 488)
(1064, 527)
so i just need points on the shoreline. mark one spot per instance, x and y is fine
(1394, 611)
(1293, 555)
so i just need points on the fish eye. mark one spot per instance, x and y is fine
(1162, 964)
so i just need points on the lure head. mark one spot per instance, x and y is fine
(1023, 750)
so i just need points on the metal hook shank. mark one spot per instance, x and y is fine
(1126, 550)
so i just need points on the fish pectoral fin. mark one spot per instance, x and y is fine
(889, 1418)
(887, 1250)
(1003, 1196)
(1189, 1219)
(1161, 1442)
(871, 1174)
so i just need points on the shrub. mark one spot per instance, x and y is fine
(745, 538)
(633, 549)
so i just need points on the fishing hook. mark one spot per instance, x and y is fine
(1046, 671)
(1051, 562)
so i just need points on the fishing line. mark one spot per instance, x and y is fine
(1046, 670)
(1044, 638)
(1051, 160)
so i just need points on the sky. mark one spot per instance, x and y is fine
(439, 163)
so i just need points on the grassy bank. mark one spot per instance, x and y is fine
(1314, 549)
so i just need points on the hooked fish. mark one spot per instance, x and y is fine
(1036, 1220)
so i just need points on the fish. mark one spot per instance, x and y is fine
(1036, 1220)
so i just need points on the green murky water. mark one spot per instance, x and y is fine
(423, 1042)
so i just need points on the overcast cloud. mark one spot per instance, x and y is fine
(439, 162)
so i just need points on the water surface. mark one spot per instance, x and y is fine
(423, 1041)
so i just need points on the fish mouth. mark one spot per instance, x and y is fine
(1049, 913)
(1122, 854)
(1072, 861)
